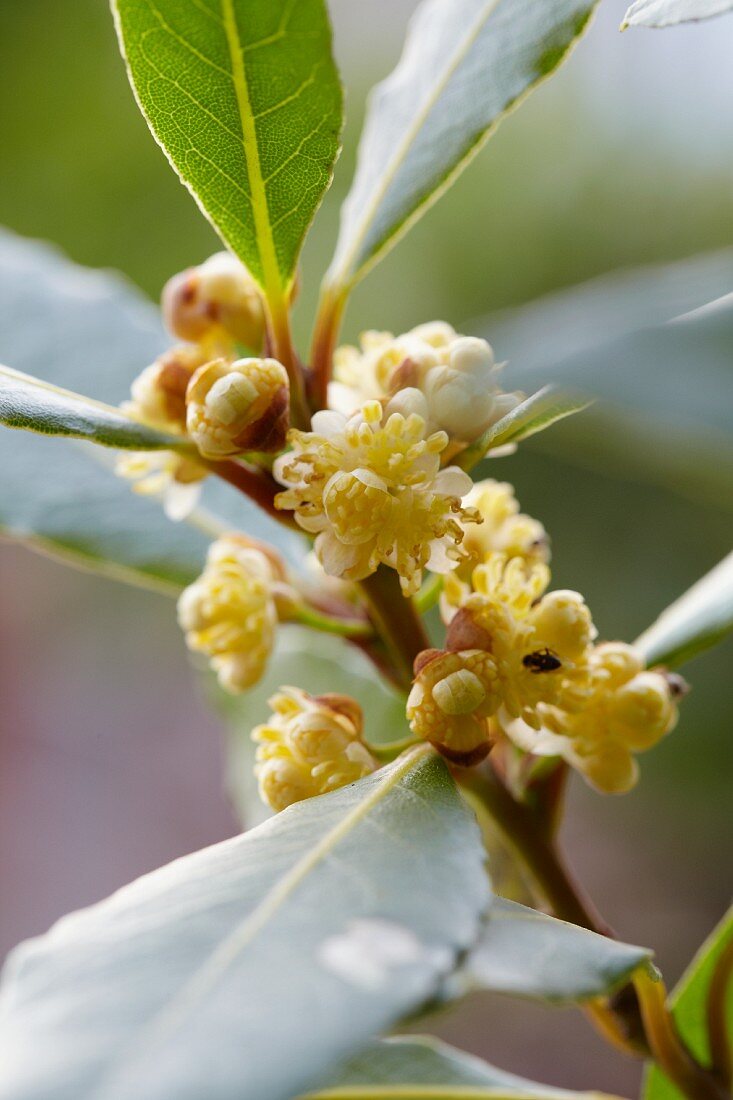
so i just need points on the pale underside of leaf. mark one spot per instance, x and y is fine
(59, 495)
(244, 99)
(668, 13)
(422, 1068)
(205, 954)
(529, 954)
(699, 619)
(466, 63)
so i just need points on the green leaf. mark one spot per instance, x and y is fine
(529, 954)
(37, 406)
(244, 98)
(422, 1067)
(535, 414)
(699, 619)
(329, 665)
(688, 1002)
(92, 331)
(224, 974)
(666, 13)
(465, 64)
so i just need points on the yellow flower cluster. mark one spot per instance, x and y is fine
(447, 379)
(371, 489)
(230, 613)
(310, 745)
(622, 709)
(226, 405)
(530, 646)
(520, 662)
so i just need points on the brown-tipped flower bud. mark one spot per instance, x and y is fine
(239, 406)
(158, 394)
(219, 297)
(451, 699)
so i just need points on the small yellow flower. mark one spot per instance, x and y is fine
(216, 303)
(504, 530)
(447, 379)
(230, 614)
(451, 699)
(310, 745)
(238, 406)
(622, 709)
(539, 642)
(371, 489)
(174, 478)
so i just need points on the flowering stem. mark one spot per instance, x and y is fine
(258, 485)
(523, 833)
(674, 1059)
(325, 334)
(721, 987)
(396, 620)
(284, 352)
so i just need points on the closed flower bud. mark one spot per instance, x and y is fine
(239, 406)
(229, 613)
(159, 392)
(217, 298)
(451, 699)
(563, 624)
(310, 745)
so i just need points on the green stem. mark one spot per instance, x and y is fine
(396, 620)
(284, 352)
(717, 1016)
(429, 594)
(332, 624)
(669, 1052)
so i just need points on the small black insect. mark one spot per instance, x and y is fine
(542, 660)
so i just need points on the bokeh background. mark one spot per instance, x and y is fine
(111, 760)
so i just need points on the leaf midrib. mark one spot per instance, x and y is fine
(171, 1017)
(258, 192)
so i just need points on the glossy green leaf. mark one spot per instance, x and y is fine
(92, 331)
(37, 406)
(694, 622)
(529, 954)
(535, 414)
(465, 64)
(224, 975)
(667, 13)
(689, 1008)
(244, 98)
(422, 1067)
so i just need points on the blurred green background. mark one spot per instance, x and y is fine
(111, 763)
